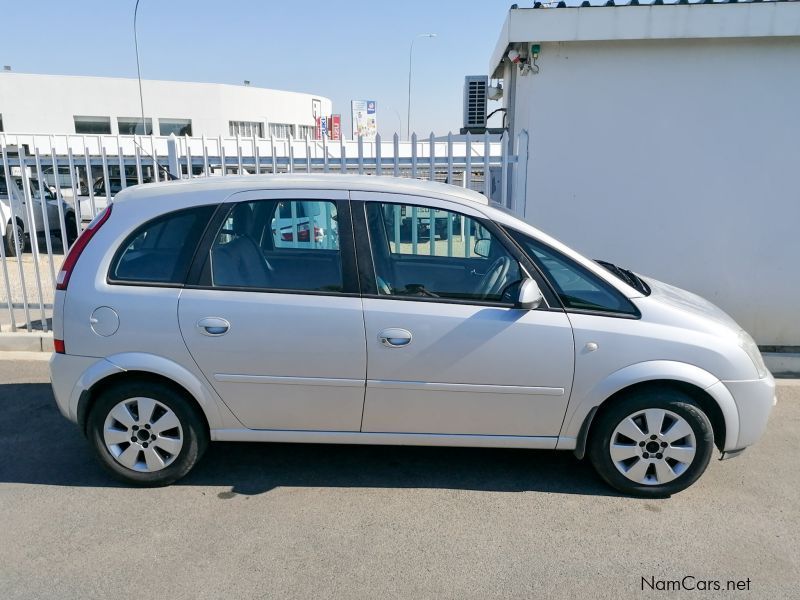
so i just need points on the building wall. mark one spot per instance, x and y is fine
(47, 103)
(679, 159)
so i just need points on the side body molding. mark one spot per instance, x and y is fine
(580, 407)
(216, 413)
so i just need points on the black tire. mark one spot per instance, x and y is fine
(8, 239)
(665, 398)
(194, 430)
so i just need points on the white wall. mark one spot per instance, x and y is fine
(47, 103)
(676, 158)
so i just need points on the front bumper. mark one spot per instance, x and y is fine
(754, 401)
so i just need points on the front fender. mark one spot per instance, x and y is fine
(655, 370)
(150, 363)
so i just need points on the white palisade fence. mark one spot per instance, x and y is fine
(80, 174)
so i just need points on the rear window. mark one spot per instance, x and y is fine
(161, 250)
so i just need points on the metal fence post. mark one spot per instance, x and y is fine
(172, 154)
(487, 177)
(378, 166)
(519, 187)
(432, 152)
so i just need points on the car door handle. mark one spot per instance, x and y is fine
(394, 337)
(213, 326)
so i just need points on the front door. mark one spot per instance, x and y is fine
(448, 353)
(276, 323)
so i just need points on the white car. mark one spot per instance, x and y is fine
(180, 318)
(16, 219)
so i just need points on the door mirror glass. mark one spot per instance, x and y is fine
(530, 296)
(483, 247)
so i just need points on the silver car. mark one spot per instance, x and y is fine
(205, 310)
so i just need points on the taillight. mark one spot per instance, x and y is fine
(77, 248)
(58, 346)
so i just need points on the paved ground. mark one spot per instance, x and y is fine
(271, 521)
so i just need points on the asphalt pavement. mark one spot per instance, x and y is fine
(312, 521)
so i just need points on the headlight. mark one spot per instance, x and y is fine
(749, 346)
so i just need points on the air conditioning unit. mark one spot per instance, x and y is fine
(475, 101)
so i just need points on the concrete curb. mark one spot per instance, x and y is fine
(35, 341)
(783, 364)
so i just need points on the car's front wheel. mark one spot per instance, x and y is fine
(652, 443)
(146, 433)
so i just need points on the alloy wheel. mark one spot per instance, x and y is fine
(143, 434)
(653, 446)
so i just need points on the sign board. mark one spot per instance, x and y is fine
(335, 126)
(364, 118)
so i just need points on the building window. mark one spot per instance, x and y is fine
(281, 130)
(246, 128)
(306, 131)
(1, 122)
(133, 126)
(92, 124)
(176, 126)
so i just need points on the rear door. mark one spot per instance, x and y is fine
(275, 320)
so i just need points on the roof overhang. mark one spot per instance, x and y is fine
(650, 22)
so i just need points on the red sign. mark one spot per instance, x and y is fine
(335, 127)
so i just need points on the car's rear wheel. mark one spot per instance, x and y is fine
(652, 443)
(145, 433)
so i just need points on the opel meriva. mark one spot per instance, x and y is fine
(377, 310)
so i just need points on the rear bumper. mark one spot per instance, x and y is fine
(69, 377)
(754, 401)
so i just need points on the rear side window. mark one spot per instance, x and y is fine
(161, 250)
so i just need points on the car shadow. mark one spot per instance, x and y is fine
(39, 446)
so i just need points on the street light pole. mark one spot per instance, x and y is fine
(410, 54)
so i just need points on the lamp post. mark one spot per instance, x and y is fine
(410, 54)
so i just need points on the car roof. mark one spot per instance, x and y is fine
(367, 183)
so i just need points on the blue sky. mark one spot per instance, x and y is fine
(340, 49)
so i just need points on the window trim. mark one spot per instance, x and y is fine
(110, 280)
(636, 314)
(200, 270)
(366, 264)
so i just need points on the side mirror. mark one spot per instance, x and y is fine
(483, 247)
(530, 296)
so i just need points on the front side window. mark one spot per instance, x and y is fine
(423, 252)
(161, 250)
(92, 125)
(279, 245)
(176, 126)
(577, 287)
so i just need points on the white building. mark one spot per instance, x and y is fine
(666, 139)
(56, 104)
